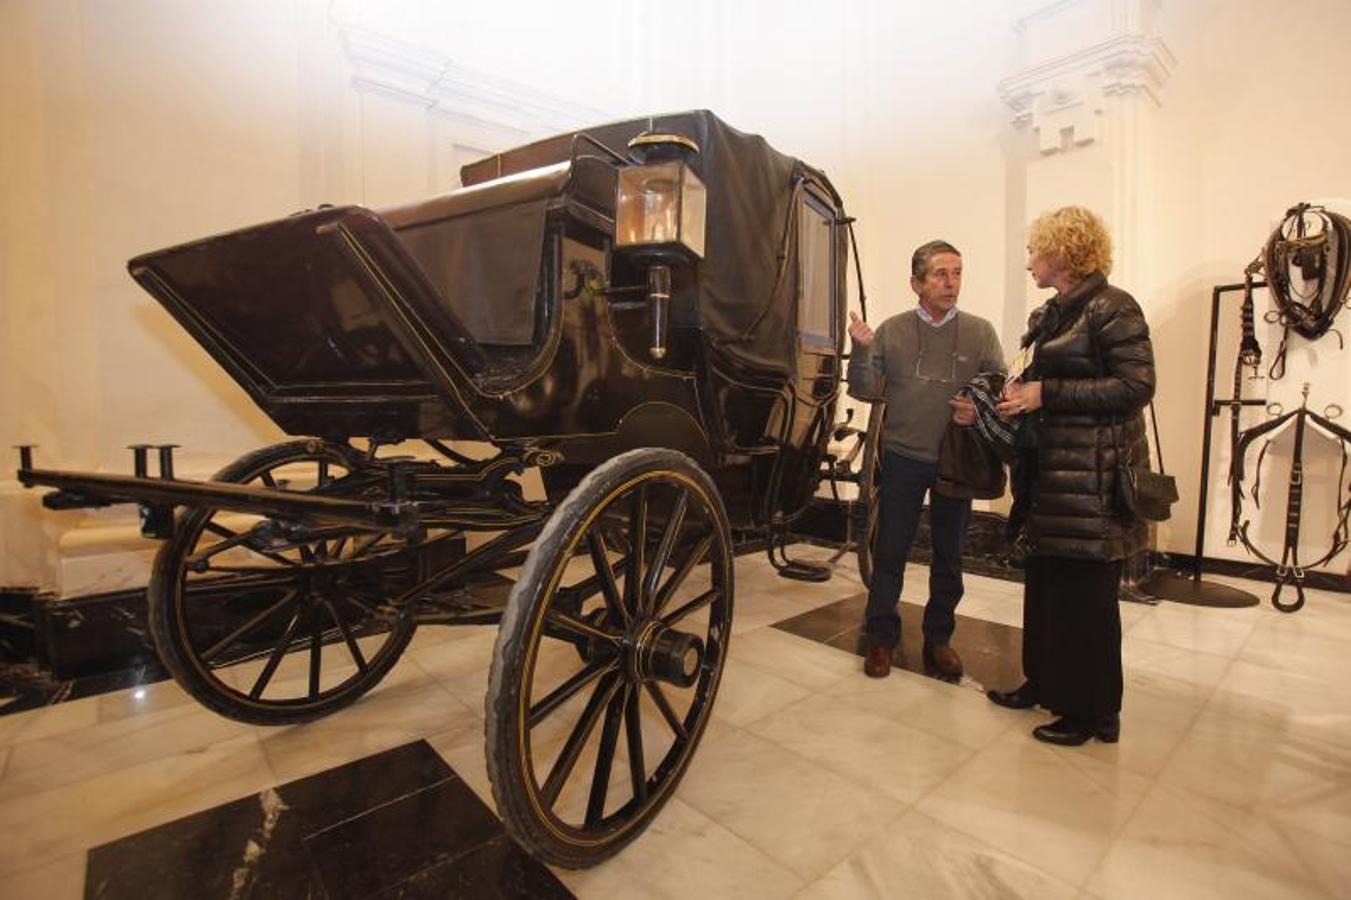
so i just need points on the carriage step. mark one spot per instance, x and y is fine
(800, 571)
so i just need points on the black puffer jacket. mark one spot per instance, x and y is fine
(1096, 366)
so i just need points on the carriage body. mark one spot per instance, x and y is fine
(504, 312)
(668, 400)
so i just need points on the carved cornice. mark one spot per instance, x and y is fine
(429, 78)
(1066, 94)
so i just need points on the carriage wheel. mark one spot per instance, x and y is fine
(867, 509)
(614, 629)
(270, 628)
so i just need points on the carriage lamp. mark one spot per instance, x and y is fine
(660, 217)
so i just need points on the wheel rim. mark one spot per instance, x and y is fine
(631, 638)
(277, 620)
(870, 491)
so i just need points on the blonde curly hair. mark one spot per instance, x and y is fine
(1076, 237)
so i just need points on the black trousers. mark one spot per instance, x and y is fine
(905, 481)
(1072, 634)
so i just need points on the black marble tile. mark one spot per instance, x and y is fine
(369, 854)
(332, 797)
(497, 870)
(397, 824)
(246, 848)
(991, 652)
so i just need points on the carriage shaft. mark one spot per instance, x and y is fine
(90, 489)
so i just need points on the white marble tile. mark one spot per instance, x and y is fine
(874, 752)
(801, 814)
(42, 827)
(948, 711)
(800, 660)
(74, 756)
(1043, 805)
(48, 721)
(748, 692)
(1292, 701)
(146, 698)
(455, 659)
(1219, 631)
(1241, 752)
(1155, 719)
(756, 609)
(1297, 647)
(59, 879)
(1186, 674)
(917, 856)
(683, 853)
(1180, 845)
(377, 722)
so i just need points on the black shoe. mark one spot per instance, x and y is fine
(1068, 731)
(1024, 697)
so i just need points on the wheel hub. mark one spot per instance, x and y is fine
(659, 653)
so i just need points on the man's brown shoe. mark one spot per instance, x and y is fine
(877, 664)
(942, 660)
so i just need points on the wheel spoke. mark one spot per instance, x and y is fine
(637, 546)
(605, 756)
(322, 478)
(667, 713)
(572, 748)
(699, 602)
(577, 627)
(236, 539)
(663, 553)
(633, 726)
(338, 545)
(568, 689)
(360, 548)
(600, 558)
(268, 480)
(352, 646)
(678, 578)
(229, 640)
(274, 659)
(316, 652)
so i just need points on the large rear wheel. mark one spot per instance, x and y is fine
(617, 631)
(866, 509)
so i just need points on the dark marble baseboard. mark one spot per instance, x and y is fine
(399, 824)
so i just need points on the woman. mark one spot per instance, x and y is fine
(1091, 374)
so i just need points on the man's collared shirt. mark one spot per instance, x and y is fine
(925, 317)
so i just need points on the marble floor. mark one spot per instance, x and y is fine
(1232, 778)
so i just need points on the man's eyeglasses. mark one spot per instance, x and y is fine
(920, 374)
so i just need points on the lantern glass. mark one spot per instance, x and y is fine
(661, 206)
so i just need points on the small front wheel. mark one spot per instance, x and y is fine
(618, 627)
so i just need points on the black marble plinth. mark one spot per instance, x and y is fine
(399, 824)
(991, 652)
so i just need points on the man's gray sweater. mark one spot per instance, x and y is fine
(917, 368)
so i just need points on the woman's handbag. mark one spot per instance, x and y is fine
(1140, 492)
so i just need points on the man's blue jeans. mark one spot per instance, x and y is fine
(905, 481)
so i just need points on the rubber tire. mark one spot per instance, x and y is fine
(509, 792)
(163, 588)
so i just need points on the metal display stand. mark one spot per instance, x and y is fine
(1176, 586)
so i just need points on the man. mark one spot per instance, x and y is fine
(917, 360)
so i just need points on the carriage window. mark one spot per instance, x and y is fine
(816, 295)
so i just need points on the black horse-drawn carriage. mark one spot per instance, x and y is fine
(649, 313)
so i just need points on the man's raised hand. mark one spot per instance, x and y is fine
(859, 330)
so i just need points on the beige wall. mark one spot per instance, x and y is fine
(131, 125)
